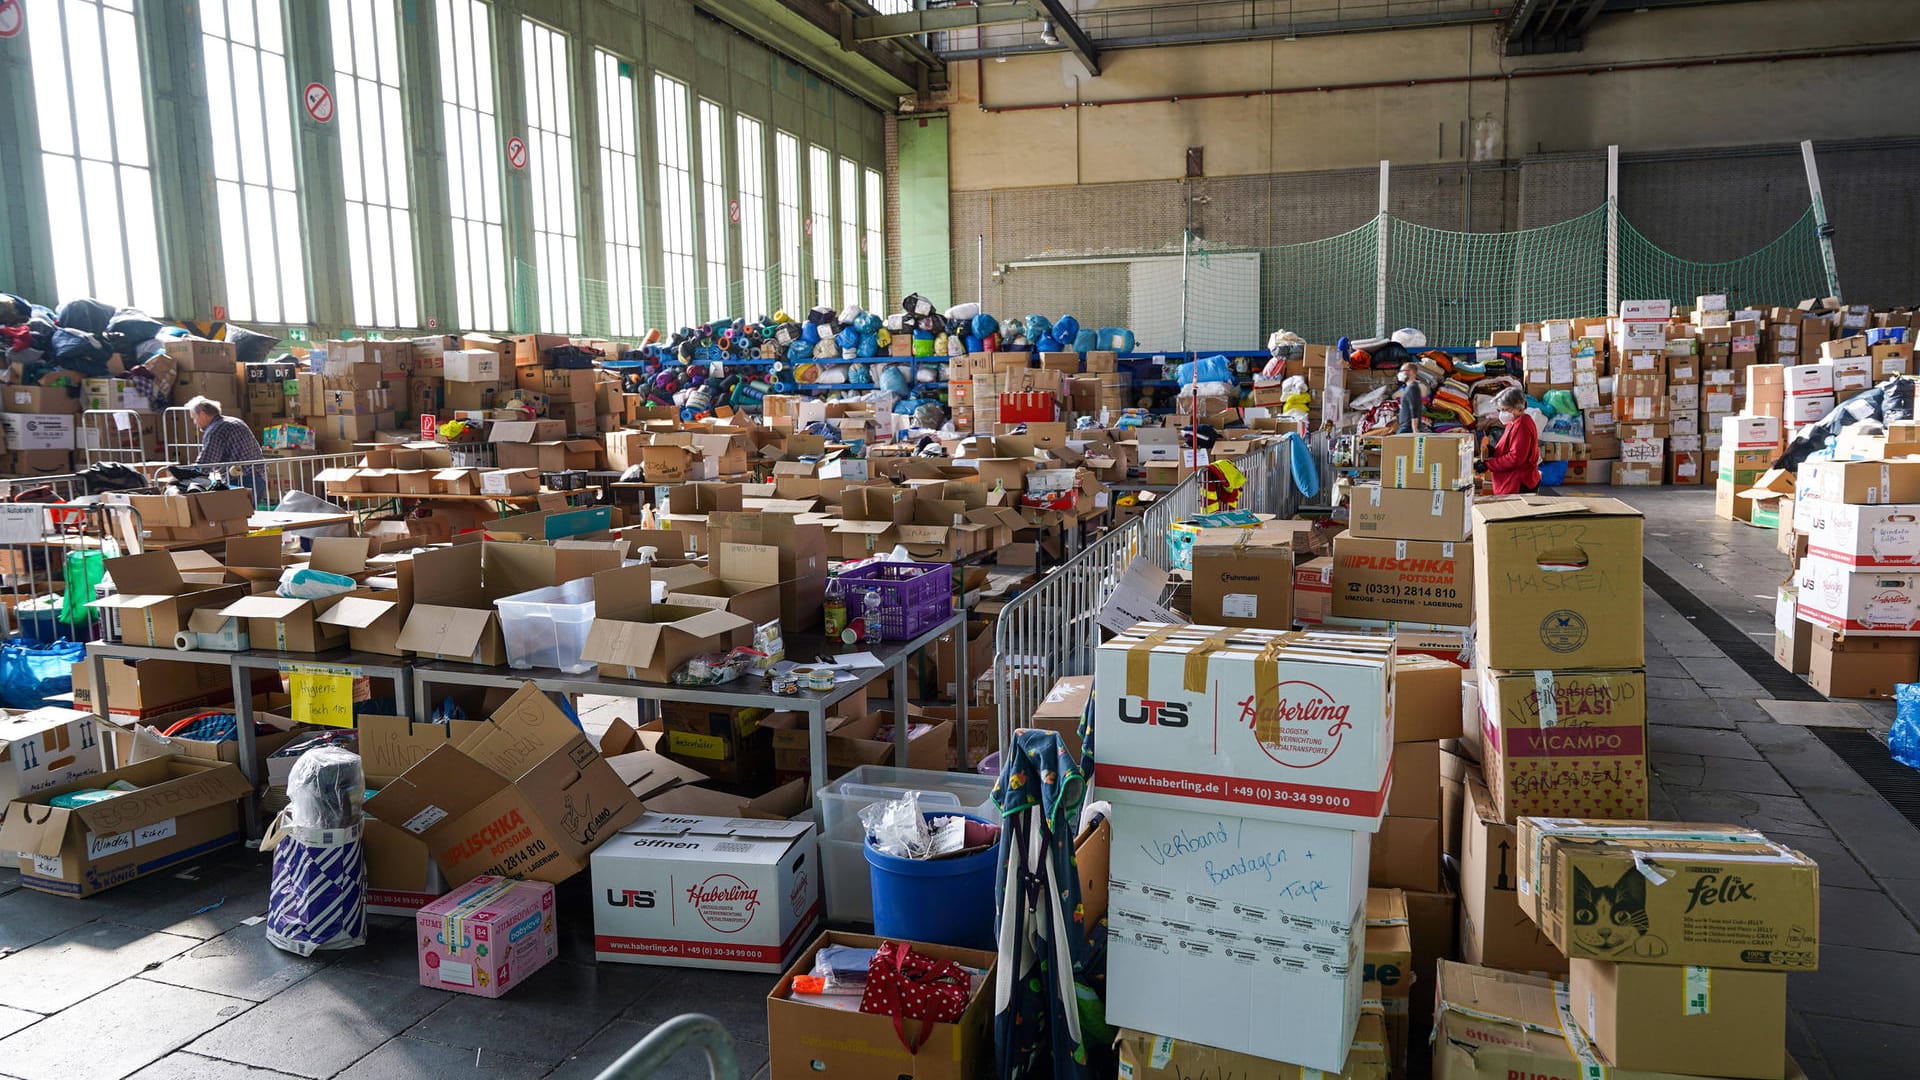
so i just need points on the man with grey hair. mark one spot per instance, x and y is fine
(223, 439)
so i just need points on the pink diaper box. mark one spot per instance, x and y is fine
(487, 936)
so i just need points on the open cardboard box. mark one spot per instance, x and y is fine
(154, 601)
(744, 579)
(290, 624)
(803, 559)
(634, 638)
(454, 589)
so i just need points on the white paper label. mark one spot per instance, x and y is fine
(1699, 991)
(1240, 605)
(1162, 1051)
(48, 866)
(1399, 550)
(1439, 503)
(424, 820)
(1548, 709)
(456, 974)
(159, 830)
(111, 844)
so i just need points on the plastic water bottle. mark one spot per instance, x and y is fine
(870, 602)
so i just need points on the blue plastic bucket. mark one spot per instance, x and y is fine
(936, 901)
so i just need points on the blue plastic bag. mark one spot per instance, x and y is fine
(1206, 369)
(30, 674)
(1904, 739)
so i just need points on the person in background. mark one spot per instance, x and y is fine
(226, 440)
(1514, 463)
(1413, 401)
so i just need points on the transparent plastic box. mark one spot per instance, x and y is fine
(547, 628)
(843, 838)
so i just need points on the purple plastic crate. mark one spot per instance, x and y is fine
(916, 596)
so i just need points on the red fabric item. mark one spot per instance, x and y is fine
(1514, 466)
(907, 985)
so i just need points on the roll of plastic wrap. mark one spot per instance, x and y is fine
(185, 641)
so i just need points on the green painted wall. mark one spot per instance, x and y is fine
(926, 252)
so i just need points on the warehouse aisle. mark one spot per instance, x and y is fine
(177, 968)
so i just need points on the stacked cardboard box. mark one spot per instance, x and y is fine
(1809, 390)
(1216, 939)
(1642, 407)
(1859, 584)
(561, 390)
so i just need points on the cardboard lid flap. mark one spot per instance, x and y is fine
(34, 828)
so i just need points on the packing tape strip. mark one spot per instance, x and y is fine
(1591, 1067)
(1545, 703)
(1697, 999)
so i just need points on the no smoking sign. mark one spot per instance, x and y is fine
(319, 102)
(517, 152)
(13, 18)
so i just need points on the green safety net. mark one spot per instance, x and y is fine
(1320, 289)
(1459, 286)
(1784, 272)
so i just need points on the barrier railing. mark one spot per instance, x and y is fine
(50, 549)
(1053, 628)
(277, 475)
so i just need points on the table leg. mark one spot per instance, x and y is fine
(962, 689)
(901, 725)
(403, 697)
(249, 763)
(99, 675)
(422, 703)
(817, 745)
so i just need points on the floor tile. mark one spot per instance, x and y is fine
(408, 1058)
(620, 1036)
(1751, 777)
(80, 963)
(181, 1065)
(555, 1011)
(737, 999)
(240, 963)
(1858, 984)
(1818, 713)
(1860, 1048)
(27, 917)
(1865, 917)
(12, 1020)
(322, 1024)
(1664, 739)
(116, 1032)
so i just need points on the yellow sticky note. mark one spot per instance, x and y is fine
(321, 698)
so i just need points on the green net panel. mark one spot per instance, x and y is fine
(1787, 270)
(1460, 286)
(1320, 289)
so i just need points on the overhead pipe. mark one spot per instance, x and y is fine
(1849, 52)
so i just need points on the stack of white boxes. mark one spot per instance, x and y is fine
(1859, 585)
(1642, 407)
(1248, 770)
(1809, 393)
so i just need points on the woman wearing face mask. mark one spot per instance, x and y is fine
(1514, 464)
(1413, 402)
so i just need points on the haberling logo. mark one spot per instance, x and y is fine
(1297, 724)
(1153, 713)
(724, 902)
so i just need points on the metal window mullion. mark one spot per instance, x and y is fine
(114, 166)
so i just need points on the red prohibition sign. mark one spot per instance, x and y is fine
(13, 18)
(517, 152)
(733, 211)
(319, 102)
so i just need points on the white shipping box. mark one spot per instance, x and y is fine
(1852, 374)
(472, 365)
(38, 431)
(1224, 932)
(734, 893)
(1807, 408)
(1865, 536)
(1750, 432)
(1881, 601)
(46, 748)
(1287, 727)
(1809, 379)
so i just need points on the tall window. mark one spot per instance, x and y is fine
(373, 163)
(876, 246)
(820, 179)
(556, 217)
(713, 205)
(753, 215)
(786, 170)
(473, 164)
(620, 195)
(676, 197)
(849, 233)
(93, 142)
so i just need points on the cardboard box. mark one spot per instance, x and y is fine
(1732, 898)
(197, 354)
(289, 624)
(1062, 710)
(1410, 513)
(41, 399)
(1427, 461)
(181, 810)
(803, 559)
(1874, 601)
(1155, 1057)
(1243, 577)
(1565, 743)
(1426, 699)
(1389, 965)
(633, 638)
(1689, 1020)
(1402, 580)
(1500, 1025)
(1493, 929)
(1405, 852)
(706, 892)
(1212, 940)
(1859, 666)
(1863, 483)
(402, 877)
(526, 795)
(472, 366)
(805, 1039)
(154, 602)
(1293, 728)
(1557, 583)
(853, 741)
(138, 690)
(1865, 536)
(37, 431)
(46, 748)
(487, 936)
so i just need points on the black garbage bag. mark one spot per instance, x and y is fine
(251, 345)
(13, 310)
(1890, 401)
(79, 351)
(105, 476)
(128, 329)
(87, 314)
(41, 321)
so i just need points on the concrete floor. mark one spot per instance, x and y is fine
(170, 977)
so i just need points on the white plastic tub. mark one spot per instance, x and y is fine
(547, 628)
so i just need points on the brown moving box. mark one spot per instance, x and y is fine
(454, 588)
(1243, 577)
(856, 741)
(1557, 583)
(1726, 896)
(154, 601)
(1859, 666)
(1063, 708)
(1499, 1025)
(1410, 513)
(806, 1040)
(1689, 1020)
(1388, 955)
(290, 624)
(1418, 581)
(1144, 1056)
(401, 874)
(206, 515)
(1493, 929)
(1427, 461)
(182, 808)
(525, 796)
(1405, 854)
(803, 559)
(1426, 699)
(1566, 743)
(633, 638)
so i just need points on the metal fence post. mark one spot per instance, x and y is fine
(1823, 230)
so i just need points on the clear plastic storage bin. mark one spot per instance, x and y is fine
(843, 838)
(547, 628)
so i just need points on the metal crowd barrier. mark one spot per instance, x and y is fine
(1052, 629)
(44, 552)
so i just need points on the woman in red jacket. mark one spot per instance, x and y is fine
(1514, 463)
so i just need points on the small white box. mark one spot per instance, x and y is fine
(1661, 310)
(1865, 536)
(1710, 302)
(1807, 408)
(1220, 934)
(1851, 374)
(1880, 601)
(1750, 432)
(1809, 378)
(471, 365)
(38, 431)
(46, 748)
(735, 893)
